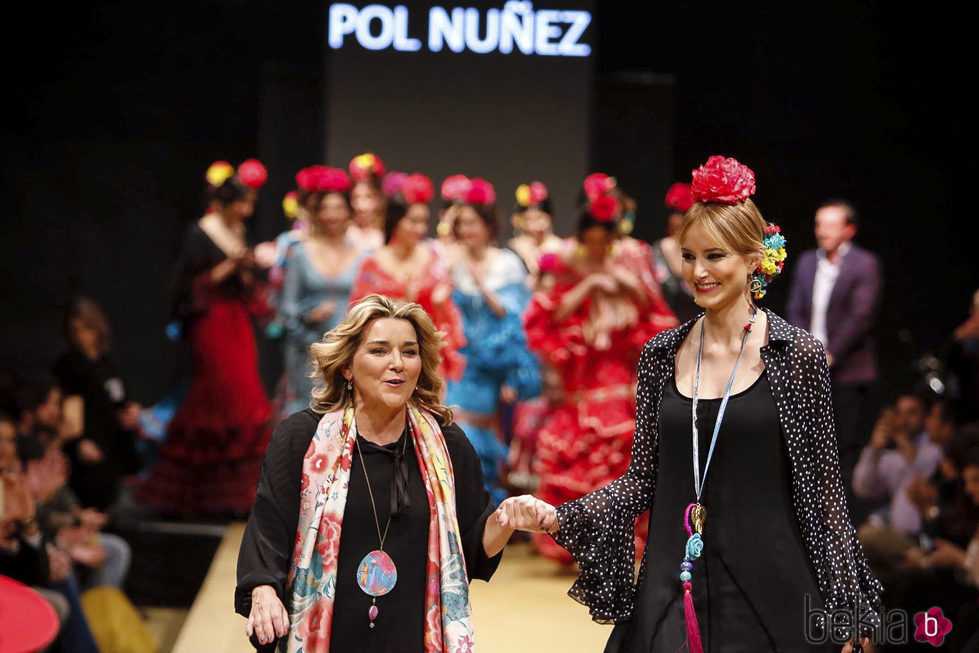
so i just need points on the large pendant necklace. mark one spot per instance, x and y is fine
(696, 514)
(376, 573)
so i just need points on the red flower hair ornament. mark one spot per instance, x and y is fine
(722, 181)
(417, 189)
(598, 183)
(679, 197)
(603, 208)
(252, 173)
(455, 187)
(480, 192)
(367, 165)
(548, 262)
(392, 182)
(322, 179)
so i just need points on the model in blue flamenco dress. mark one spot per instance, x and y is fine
(491, 293)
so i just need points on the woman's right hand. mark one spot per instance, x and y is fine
(268, 618)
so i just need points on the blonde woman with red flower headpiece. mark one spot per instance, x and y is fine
(735, 457)
(410, 267)
(591, 326)
(209, 463)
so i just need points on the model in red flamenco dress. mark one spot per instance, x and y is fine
(210, 461)
(411, 268)
(590, 323)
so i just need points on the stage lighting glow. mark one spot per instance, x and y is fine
(546, 32)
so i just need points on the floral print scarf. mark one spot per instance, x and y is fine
(323, 495)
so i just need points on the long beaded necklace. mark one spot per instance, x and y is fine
(696, 514)
(376, 574)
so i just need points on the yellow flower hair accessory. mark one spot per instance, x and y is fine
(290, 204)
(771, 263)
(218, 173)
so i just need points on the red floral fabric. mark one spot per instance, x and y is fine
(587, 442)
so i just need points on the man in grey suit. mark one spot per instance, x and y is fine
(835, 295)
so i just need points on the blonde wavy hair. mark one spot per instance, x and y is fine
(336, 350)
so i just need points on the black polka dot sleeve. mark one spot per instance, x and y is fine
(598, 528)
(845, 579)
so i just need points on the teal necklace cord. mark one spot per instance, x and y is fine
(696, 514)
(698, 484)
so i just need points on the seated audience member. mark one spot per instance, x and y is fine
(26, 556)
(100, 558)
(944, 573)
(40, 421)
(900, 448)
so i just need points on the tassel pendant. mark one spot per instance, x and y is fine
(696, 514)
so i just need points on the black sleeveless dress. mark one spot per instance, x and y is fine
(750, 586)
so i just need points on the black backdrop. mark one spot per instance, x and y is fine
(113, 110)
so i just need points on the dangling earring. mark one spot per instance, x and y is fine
(350, 385)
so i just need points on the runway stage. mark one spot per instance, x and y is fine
(524, 608)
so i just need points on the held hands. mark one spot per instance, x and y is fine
(265, 254)
(268, 618)
(527, 513)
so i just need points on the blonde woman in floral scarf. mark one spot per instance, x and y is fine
(371, 517)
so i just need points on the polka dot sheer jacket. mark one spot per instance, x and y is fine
(597, 529)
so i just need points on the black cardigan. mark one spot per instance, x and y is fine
(598, 528)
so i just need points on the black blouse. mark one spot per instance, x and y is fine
(597, 529)
(751, 582)
(198, 255)
(266, 549)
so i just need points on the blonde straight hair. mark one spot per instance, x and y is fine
(738, 226)
(335, 351)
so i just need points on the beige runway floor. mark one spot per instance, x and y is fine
(525, 608)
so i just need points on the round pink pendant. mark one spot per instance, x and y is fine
(377, 575)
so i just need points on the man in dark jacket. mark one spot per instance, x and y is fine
(835, 295)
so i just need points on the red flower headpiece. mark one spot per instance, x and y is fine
(455, 187)
(679, 197)
(365, 166)
(322, 179)
(722, 181)
(392, 182)
(480, 192)
(598, 183)
(252, 173)
(548, 262)
(418, 189)
(603, 208)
